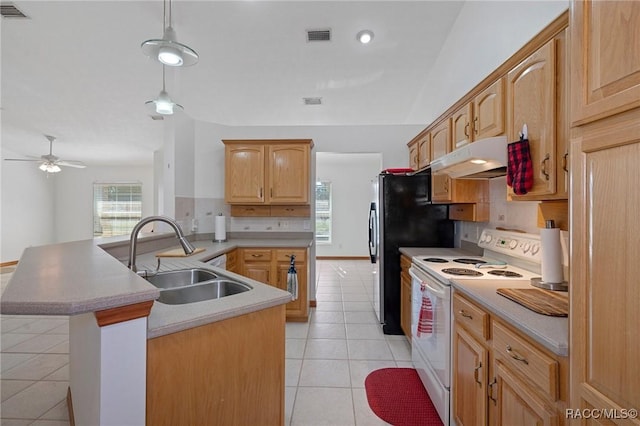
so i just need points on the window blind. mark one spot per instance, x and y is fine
(117, 207)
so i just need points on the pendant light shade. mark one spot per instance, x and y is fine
(168, 50)
(163, 103)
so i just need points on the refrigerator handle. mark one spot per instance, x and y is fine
(372, 233)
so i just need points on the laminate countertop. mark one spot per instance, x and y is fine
(82, 276)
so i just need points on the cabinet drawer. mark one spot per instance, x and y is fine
(284, 255)
(262, 255)
(250, 211)
(290, 211)
(522, 357)
(470, 316)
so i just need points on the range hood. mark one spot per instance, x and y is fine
(482, 159)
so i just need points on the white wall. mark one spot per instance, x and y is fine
(28, 206)
(485, 34)
(350, 176)
(74, 197)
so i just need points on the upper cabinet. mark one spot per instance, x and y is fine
(267, 172)
(605, 69)
(536, 97)
(481, 118)
(420, 151)
(441, 145)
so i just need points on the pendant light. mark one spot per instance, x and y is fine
(163, 103)
(167, 50)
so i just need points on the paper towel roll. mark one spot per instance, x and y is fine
(220, 228)
(551, 255)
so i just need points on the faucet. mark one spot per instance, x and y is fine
(186, 245)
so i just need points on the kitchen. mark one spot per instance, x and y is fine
(317, 145)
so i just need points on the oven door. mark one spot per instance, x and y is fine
(431, 337)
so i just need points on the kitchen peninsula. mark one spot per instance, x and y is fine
(117, 376)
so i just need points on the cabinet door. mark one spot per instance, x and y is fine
(405, 304)
(259, 271)
(424, 151)
(461, 126)
(244, 174)
(414, 161)
(296, 309)
(440, 145)
(288, 171)
(605, 61)
(604, 313)
(531, 93)
(517, 404)
(470, 365)
(488, 111)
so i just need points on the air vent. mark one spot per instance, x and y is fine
(8, 10)
(319, 35)
(156, 117)
(312, 101)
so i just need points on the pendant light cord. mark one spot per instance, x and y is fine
(163, 88)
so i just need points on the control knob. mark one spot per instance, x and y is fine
(535, 248)
(513, 244)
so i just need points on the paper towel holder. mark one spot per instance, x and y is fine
(223, 233)
(537, 281)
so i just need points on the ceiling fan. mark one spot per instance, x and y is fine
(50, 163)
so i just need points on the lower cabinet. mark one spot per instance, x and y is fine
(501, 377)
(405, 296)
(271, 266)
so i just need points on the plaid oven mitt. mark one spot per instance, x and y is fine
(519, 167)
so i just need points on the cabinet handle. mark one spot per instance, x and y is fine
(270, 192)
(256, 255)
(250, 209)
(446, 185)
(465, 314)
(565, 162)
(543, 166)
(260, 193)
(466, 129)
(513, 354)
(475, 125)
(490, 391)
(475, 374)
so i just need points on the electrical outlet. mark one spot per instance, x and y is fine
(306, 225)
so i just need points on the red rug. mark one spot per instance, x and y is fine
(398, 397)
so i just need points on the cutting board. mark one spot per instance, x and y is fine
(545, 302)
(178, 253)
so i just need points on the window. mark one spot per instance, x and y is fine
(117, 207)
(323, 212)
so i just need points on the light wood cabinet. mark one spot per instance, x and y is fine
(605, 64)
(405, 295)
(414, 155)
(536, 93)
(232, 261)
(271, 266)
(420, 151)
(481, 118)
(500, 376)
(605, 153)
(261, 172)
(229, 372)
(441, 145)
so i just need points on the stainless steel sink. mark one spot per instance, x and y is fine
(181, 278)
(204, 291)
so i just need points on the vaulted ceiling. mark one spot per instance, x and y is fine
(75, 70)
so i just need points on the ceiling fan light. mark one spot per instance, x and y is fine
(171, 56)
(49, 168)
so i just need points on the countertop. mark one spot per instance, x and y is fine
(80, 277)
(550, 332)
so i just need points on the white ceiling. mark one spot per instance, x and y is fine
(75, 69)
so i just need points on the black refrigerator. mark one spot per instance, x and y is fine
(401, 215)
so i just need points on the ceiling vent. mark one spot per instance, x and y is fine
(319, 35)
(157, 117)
(312, 101)
(8, 10)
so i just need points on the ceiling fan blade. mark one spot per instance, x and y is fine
(23, 159)
(71, 163)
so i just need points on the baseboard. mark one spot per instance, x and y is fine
(342, 257)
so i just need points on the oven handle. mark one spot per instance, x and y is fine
(438, 291)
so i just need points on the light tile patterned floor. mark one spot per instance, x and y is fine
(327, 359)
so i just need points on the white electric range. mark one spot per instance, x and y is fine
(506, 256)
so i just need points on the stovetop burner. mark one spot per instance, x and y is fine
(462, 271)
(503, 273)
(435, 260)
(468, 261)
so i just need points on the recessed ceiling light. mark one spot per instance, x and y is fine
(364, 36)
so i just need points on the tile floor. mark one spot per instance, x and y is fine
(327, 359)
